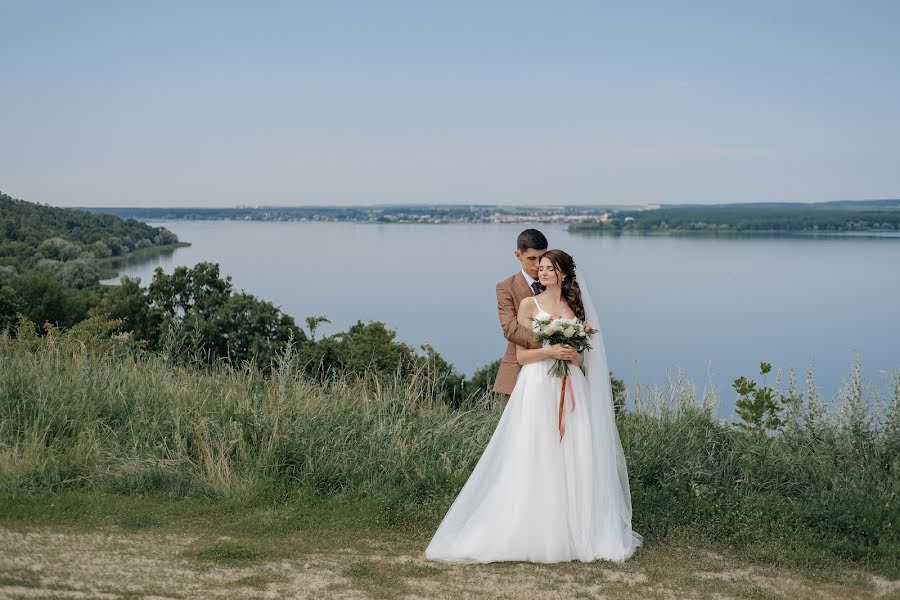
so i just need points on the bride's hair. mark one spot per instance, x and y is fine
(571, 292)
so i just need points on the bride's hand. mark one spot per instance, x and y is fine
(562, 352)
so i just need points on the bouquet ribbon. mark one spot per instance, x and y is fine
(566, 385)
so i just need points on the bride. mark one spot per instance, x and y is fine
(548, 488)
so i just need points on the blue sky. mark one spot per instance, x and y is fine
(296, 103)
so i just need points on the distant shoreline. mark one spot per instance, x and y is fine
(772, 233)
(860, 216)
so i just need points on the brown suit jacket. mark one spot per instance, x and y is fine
(510, 292)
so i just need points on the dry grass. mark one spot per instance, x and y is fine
(118, 563)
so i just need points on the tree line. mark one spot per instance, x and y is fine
(750, 218)
(71, 245)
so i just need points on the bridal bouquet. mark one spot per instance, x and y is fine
(562, 331)
(572, 332)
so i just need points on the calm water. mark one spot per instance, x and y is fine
(712, 307)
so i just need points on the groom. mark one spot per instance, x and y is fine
(530, 245)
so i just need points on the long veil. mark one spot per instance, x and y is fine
(612, 492)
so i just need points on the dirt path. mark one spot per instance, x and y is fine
(43, 563)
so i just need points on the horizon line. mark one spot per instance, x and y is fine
(474, 205)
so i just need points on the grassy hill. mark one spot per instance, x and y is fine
(83, 412)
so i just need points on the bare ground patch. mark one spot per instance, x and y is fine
(49, 563)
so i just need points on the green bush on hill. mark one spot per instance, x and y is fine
(67, 242)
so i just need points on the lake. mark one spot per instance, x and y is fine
(712, 307)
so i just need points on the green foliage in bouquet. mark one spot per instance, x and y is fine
(562, 331)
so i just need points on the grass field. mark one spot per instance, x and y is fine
(112, 456)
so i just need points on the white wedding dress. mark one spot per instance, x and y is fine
(533, 497)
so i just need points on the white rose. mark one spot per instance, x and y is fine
(569, 331)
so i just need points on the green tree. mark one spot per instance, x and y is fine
(482, 381)
(364, 347)
(373, 348)
(312, 323)
(7, 272)
(10, 304)
(246, 327)
(196, 290)
(45, 299)
(129, 303)
(59, 249)
(197, 303)
(100, 249)
(79, 273)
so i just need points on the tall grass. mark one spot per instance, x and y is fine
(830, 480)
(82, 410)
(73, 415)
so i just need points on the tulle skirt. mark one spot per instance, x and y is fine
(532, 497)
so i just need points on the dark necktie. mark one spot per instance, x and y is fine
(536, 286)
